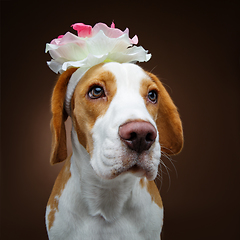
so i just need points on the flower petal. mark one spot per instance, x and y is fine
(134, 40)
(109, 32)
(70, 52)
(55, 66)
(101, 44)
(89, 61)
(133, 54)
(113, 25)
(82, 29)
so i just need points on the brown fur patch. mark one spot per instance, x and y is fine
(167, 118)
(58, 188)
(87, 110)
(142, 182)
(148, 85)
(153, 190)
(59, 116)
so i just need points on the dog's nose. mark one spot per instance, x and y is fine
(138, 135)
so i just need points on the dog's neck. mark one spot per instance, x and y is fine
(105, 198)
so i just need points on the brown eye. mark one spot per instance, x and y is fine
(152, 96)
(96, 92)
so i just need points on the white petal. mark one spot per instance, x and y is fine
(88, 62)
(70, 51)
(101, 44)
(55, 66)
(50, 47)
(131, 55)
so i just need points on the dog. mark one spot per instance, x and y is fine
(122, 120)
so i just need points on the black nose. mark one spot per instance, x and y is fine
(138, 135)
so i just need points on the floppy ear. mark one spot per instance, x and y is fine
(168, 122)
(59, 116)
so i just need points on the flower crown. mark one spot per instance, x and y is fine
(91, 47)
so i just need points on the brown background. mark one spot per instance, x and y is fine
(195, 47)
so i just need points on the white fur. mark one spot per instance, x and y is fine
(95, 205)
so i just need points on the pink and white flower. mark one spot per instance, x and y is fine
(93, 46)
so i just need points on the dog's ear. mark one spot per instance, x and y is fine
(168, 122)
(59, 116)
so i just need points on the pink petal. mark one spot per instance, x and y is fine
(134, 40)
(112, 25)
(57, 40)
(82, 29)
(109, 32)
(67, 38)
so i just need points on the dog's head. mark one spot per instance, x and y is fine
(122, 115)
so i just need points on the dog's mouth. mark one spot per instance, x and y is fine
(135, 168)
(137, 171)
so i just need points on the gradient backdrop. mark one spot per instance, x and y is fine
(195, 48)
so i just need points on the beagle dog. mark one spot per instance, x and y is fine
(122, 118)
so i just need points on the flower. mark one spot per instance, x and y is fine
(92, 46)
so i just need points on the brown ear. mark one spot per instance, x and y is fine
(168, 122)
(59, 116)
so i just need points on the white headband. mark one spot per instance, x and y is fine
(91, 47)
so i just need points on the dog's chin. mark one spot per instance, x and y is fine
(141, 172)
(122, 172)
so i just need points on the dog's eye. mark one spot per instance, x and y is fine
(152, 96)
(96, 92)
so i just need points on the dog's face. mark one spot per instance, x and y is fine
(123, 116)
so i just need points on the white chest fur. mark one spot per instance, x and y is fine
(92, 208)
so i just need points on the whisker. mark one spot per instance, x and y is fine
(163, 147)
(167, 86)
(169, 158)
(153, 69)
(171, 161)
(167, 173)
(159, 176)
(166, 169)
